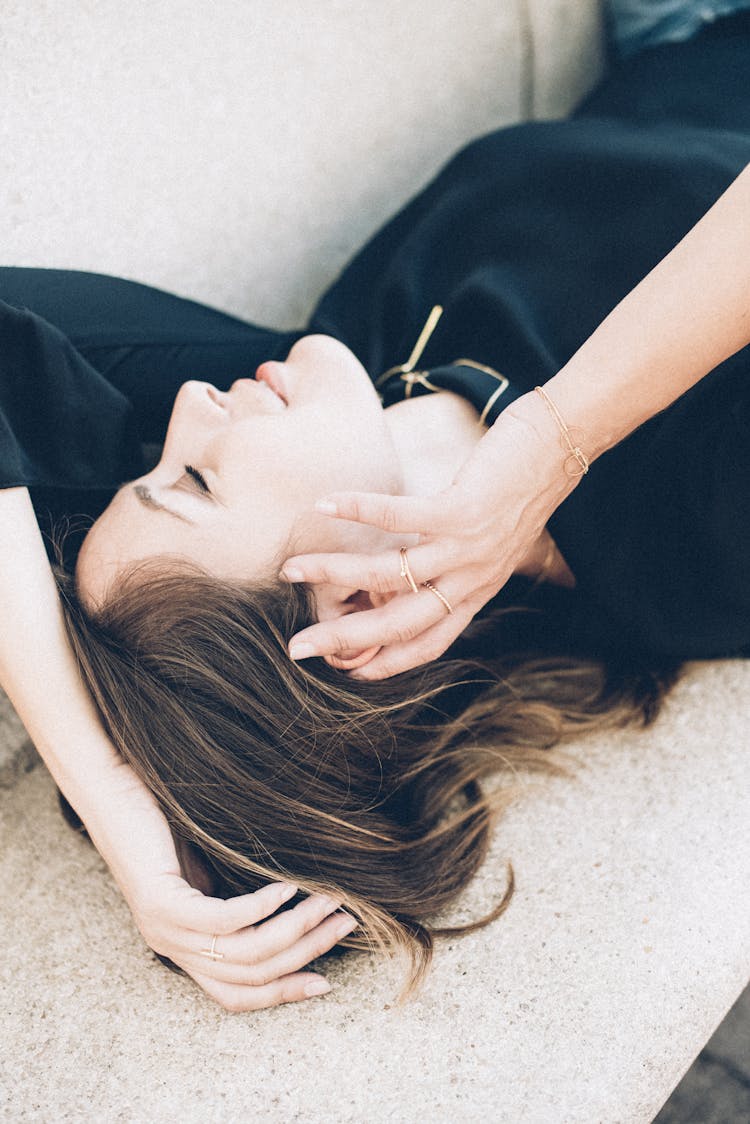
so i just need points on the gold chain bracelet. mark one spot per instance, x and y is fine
(575, 452)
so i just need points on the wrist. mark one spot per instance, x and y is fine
(544, 448)
(127, 827)
(111, 811)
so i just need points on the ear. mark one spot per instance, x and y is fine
(333, 602)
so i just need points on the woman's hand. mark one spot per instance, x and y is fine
(240, 951)
(470, 540)
(259, 956)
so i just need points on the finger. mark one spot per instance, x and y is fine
(321, 940)
(429, 645)
(311, 945)
(378, 573)
(199, 913)
(290, 989)
(402, 619)
(261, 942)
(394, 514)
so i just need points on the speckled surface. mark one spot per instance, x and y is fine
(17, 754)
(626, 943)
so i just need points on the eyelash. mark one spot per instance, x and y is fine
(198, 477)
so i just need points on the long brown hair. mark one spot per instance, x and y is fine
(369, 792)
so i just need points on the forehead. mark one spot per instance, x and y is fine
(125, 533)
(137, 527)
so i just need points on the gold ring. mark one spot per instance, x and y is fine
(406, 573)
(211, 953)
(441, 597)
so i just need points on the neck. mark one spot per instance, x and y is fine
(434, 436)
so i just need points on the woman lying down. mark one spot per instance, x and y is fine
(490, 498)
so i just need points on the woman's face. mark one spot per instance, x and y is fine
(266, 450)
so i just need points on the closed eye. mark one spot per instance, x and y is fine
(198, 477)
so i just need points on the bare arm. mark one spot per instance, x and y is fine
(37, 668)
(683, 319)
(261, 965)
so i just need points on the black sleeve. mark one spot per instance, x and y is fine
(89, 369)
(62, 425)
(658, 533)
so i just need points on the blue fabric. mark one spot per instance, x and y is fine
(635, 24)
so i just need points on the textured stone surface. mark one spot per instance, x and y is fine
(566, 52)
(17, 755)
(625, 945)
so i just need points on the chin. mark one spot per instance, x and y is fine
(319, 349)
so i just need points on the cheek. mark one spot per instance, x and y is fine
(334, 440)
(313, 534)
(358, 456)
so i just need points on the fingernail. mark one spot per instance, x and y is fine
(347, 924)
(287, 891)
(292, 574)
(317, 987)
(301, 651)
(325, 507)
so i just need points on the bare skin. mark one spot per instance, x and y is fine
(687, 316)
(264, 957)
(235, 488)
(683, 319)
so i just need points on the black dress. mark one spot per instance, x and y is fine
(528, 238)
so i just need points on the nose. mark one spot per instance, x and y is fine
(198, 418)
(201, 399)
(198, 412)
(218, 397)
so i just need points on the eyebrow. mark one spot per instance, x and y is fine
(148, 499)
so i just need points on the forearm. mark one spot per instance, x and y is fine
(686, 316)
(39, 673)
(37, 666)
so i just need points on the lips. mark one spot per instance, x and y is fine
(272, 374)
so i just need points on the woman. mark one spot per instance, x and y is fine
(527, 240)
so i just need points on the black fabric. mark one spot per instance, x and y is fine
(527, 238)
(89, 369)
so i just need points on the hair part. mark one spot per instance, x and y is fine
(368, 791)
